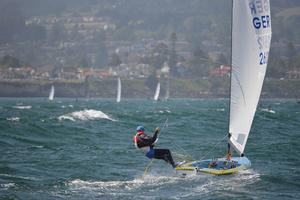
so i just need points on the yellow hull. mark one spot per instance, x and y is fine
(221, 167)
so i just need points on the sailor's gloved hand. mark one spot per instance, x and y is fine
(157, 129)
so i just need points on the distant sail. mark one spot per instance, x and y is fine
(51, 95)
(157, 91)
(119, 90)
(251, 38)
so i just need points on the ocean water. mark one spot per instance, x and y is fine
(83, 149)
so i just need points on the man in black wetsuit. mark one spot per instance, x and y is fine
(146, 143)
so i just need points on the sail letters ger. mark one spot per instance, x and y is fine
(251, 38)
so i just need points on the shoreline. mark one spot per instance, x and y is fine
(135, 89)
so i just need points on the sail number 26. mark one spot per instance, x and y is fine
(263, 57)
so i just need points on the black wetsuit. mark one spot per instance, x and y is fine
(143, 140)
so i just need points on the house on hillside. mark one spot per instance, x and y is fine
(222, 70)
(293, 74)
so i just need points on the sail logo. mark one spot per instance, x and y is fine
(260, 9)
(263, 58)
(262, 21)
(264, 42)
(259, 6)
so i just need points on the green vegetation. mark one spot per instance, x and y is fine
(9, 61)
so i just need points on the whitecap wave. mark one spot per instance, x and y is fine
(206, 184)
(20, 177)
(104, 185)
(156, 182)
(240, 180)
(268, 110)
(126, 186)
(22, 107)
(85, 115)
(70, 106)
(13, 119)
(7, 185)
(163, 111)
(37, 147)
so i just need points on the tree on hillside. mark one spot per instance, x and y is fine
(276, 67)
(123, 33)
(12, 22)
(291, 54)
(56, 33)
(102, 55)
(222, 60)
(297, 62)
(159, 55)
(83, 62)
(151, 81)
(115, 60)
(35, 32)
(173, 55)
(10, 61)
(200, 64)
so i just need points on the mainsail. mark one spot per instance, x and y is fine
(119, 90)
(251, 38)
(51, 95)
(156, 95)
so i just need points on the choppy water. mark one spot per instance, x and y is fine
(69, 149)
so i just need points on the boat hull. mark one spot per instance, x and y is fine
(218, 166)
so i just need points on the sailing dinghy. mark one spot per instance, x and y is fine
(51, 94)
(251, 38)
(119, 90)
(157, 91)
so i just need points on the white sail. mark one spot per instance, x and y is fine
(119, 90)
(251, 38)
(157, 91)
(51, 95)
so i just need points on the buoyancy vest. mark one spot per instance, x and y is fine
(136, 137)
(137, 142)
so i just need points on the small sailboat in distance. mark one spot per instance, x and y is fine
(251, 39)
(119, 90)
(51, 94)
(157, 91)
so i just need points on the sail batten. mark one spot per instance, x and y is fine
(251, 38)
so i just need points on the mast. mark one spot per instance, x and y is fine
(228, 155)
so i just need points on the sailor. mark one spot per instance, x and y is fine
(146, 143)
